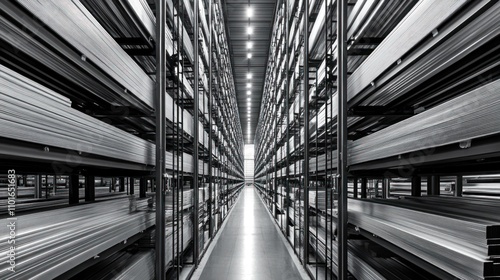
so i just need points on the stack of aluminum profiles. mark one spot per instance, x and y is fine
(33, 113)
(456, 235)
(52, 242)
(322, 198)
(469, 116)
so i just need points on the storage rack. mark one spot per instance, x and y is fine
(421, 80)
(82, 74)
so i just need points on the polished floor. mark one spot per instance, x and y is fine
(249, 246)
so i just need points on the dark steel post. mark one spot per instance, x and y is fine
(416, 186)
(355, 187)
(459, 186)
(306, 132)
(210, 180)
(73, 188)
(196, 136)
(131, 184)
(385, 187)
(143, 185)
(122, 184)
(287, 105)
(89, 187)
(433, 185)
(160, 138)
(364, 187)
(342, 136)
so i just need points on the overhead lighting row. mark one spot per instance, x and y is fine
(249, 75)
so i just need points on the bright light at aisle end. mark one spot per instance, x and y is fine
(249, 92)
(249, 55)
(249, 85)
(249, 12)
(249, 30)
(249, 45)
(249, 75)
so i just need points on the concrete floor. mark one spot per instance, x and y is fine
(250, 246)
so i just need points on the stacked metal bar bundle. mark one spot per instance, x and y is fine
(36, 114)
(357, 266)
(455, 235)
(140, 264)
(472, 115)
(321, 198)
(33, 113)
(400, 186)
(72, 21)
(52, 242)
(484, 186)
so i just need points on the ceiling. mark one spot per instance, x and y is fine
(237, 23)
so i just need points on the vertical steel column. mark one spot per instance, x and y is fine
(38, 186)
(73, 188)
(459, 186)
(364, 187)
(355, 187)
(210, 180)
(47, 186)
(160, 138)
(131, 184)
(54, 187)
(433, 185)
(196, 132)
(143, 185)
(122, 184)
(287, 106)
(416, 186)
(385, 187)
(306, 131)
(342, 136)
(275, 181)
(90, 187)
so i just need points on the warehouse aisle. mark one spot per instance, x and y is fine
(249, 246)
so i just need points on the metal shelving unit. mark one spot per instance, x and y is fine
(86, 71)
(419, 75)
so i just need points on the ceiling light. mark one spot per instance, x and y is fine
(249, 92)
(249, 99)
(249, 30)
(249, 85)
(249, 12)
(249, 55)
(249, 75)
(249, 45)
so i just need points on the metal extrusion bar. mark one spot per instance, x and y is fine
(306, 129)
(196, 131)
(342, 136)
(160, 139)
